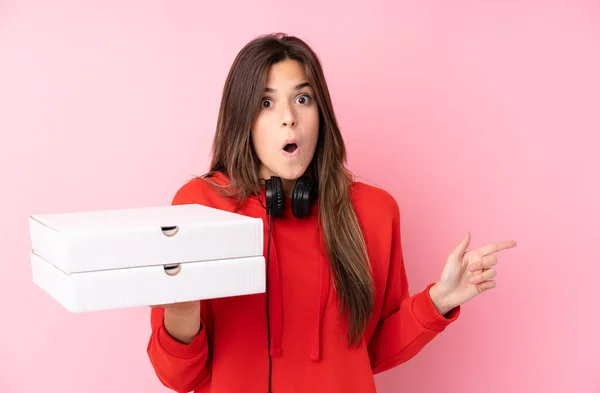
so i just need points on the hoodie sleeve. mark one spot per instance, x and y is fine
(407, 323)
(179, 366)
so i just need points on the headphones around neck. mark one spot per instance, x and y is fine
(303, 197)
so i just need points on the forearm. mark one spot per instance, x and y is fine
(405, 332)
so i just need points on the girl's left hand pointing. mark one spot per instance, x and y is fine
(467, 274)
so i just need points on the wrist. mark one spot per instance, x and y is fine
(440, 299)
(182, 326)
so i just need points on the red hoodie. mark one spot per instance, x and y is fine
(308, 338)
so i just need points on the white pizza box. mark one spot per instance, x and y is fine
(98, 260)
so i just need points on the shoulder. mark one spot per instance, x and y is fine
(374, 203)
(203, 190)
(379, 216)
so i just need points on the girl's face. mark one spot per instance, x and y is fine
(286, 130)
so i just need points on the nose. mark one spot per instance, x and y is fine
(288, 116)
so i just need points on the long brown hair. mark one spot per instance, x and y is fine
(233, 155)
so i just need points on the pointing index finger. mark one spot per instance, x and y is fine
(498, 246)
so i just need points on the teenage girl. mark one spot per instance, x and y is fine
(337, 309)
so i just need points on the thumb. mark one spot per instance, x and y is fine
(461, 247)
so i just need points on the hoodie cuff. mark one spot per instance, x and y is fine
(428, 315)
(181, 350)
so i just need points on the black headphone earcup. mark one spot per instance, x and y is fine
(274, 196)
(304, 196)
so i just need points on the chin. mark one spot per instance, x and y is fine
(290, 173)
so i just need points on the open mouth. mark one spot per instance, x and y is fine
(290, 147)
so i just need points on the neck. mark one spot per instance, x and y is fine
(288, 187)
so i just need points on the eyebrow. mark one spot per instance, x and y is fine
(298, 87)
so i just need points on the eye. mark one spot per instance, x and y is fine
(266, 103)
(304, 99)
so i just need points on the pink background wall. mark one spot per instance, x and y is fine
(480, 116)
